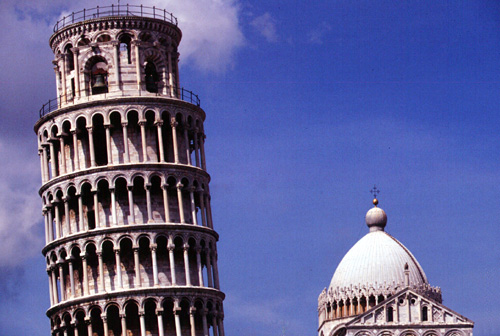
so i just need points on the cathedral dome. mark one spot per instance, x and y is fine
(377, 260)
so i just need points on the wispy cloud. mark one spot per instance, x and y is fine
(266, 26)
(316, 35)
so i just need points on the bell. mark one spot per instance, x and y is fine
(99, 82)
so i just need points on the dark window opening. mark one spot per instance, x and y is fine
(390, 314)
(151, 78)
(425, 316)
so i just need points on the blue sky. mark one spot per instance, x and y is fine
(309, 104)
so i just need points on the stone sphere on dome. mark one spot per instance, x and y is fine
(377, 261)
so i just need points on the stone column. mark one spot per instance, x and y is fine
(107, 129)
(75, 151)
(186, 141)
(216, 270)
(96, 209)
(116, 45)
(42, 165)
(161, 330)
(199, 266)
(193, 205)
(51, 221)
(171, 248)
(131, 204)
(147, 186)
(51, 288)
(180, 202)
(155, 264)
(118, 268)
(196, 148)
(202, 148)
(136, 267)
(159, 124)
(77, 71)
(192, 311)
(408, 299)
(57, 219)
(173, 124)
(45, 163)
(136, 43)
(53, 161)
(61, 282)
(88, 321)
(86, 290)
(71, 275)
(74, 326)
(125, 142)
(105, 324)
(221, 324)
(165, 202)
(80, 213)
(124, 324)
(177, 311)
(46, 222)
(142, 323)
(204, 312)
(63, 155)
(209, 267)
(113, 206)
(177, 81)
(209, 212)
(170, 72)
(142, 124)
(63, 75)
(214, 322)
(186, 264)
(54, 284)
(101, 273)
(201, 197)
(66, 215)
(91, 146)
(396, 311)
(58, 75)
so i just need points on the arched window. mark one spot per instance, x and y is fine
(151, 78)
(425, 314)
(125, 47)
(390, 314)
(99, 78)
(70, 64)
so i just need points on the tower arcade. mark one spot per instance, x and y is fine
(130, 244)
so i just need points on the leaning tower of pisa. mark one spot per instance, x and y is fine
(130, 244)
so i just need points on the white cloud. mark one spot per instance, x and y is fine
(21, 221)
(316, 35)
(266, 26)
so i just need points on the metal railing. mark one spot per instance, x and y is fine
(115, 10)
(66, 100)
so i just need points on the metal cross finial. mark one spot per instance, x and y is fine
(375, 191)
